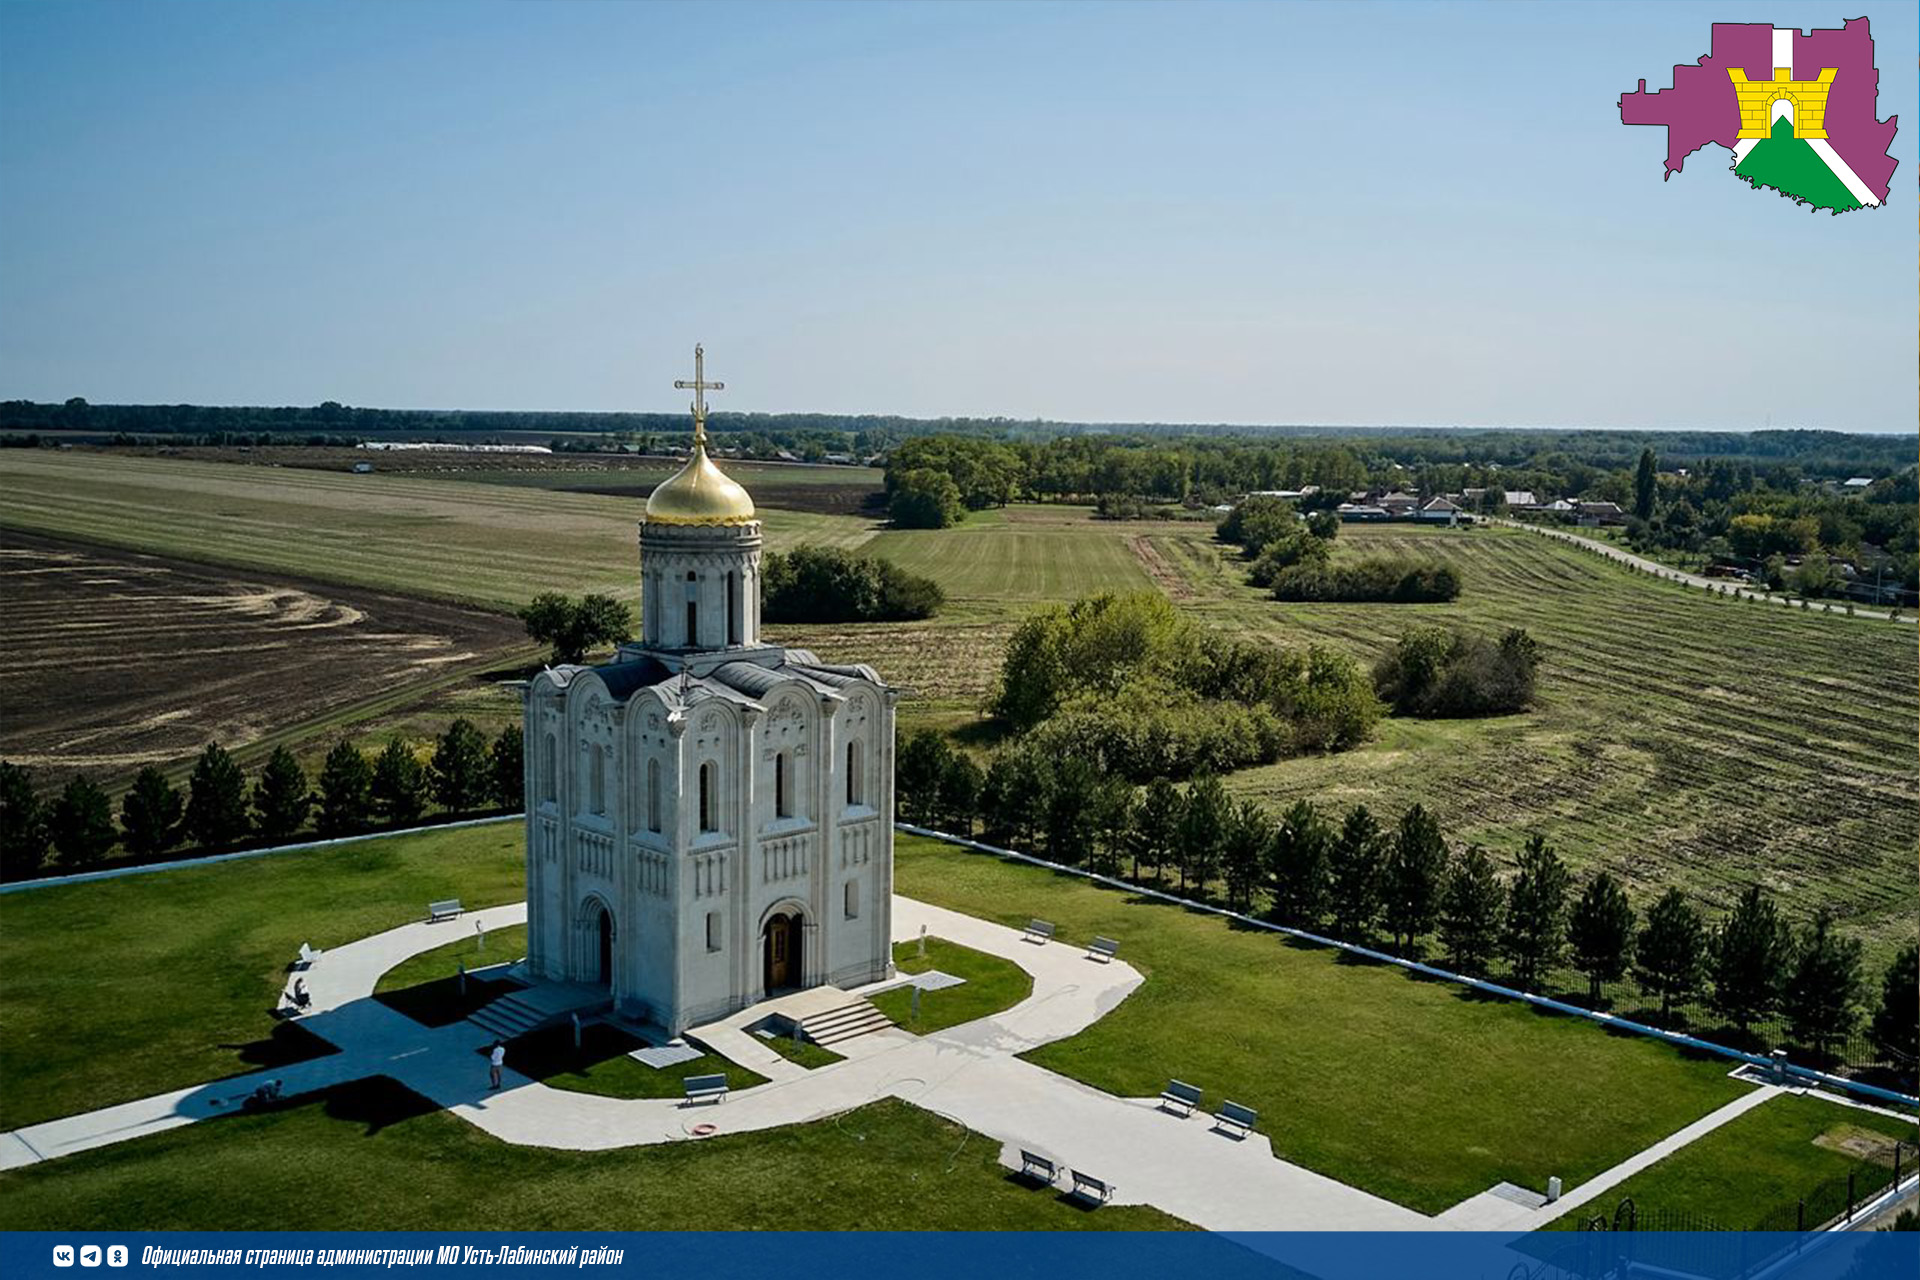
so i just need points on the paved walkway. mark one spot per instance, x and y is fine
(1672, 574)
(969, 1073)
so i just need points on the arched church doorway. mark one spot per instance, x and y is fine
(603, 927)
(782, 947)
(603, 970)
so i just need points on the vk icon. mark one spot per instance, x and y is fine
(63, 1255)
(116, 1255)
(89, 1255)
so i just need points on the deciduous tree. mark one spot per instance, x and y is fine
(572, 626)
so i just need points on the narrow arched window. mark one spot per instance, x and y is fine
(598, 779)
(693, 610)
(548, 783)
(709, 797)
(653, 795)
(854, 789)
(782, 808)
(733, 612)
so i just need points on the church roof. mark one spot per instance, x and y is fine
(741, 683)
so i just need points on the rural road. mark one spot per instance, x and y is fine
(1671, 574)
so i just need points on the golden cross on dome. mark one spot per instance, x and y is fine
(699, 386)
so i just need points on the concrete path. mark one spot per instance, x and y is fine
(1681, 576)
(969, 1073)
(1488, 1212)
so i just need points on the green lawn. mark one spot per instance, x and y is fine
(120, 989)
(1408, 1089)
(1768, 1157)
(494, 545)
(601, 1065)
(999, 563)
(426, 987)
(992, 984)
(803, 1052)
(372, 1155)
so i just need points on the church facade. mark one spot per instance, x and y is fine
(709, 817)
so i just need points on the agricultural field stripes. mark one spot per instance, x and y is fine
(493, 545)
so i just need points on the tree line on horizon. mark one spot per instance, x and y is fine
(220, 810)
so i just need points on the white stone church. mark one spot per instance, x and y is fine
(709, 817)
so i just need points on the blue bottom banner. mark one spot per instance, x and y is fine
(973, 1256)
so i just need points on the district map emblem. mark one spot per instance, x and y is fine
(1796, 110)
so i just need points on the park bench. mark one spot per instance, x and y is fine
(705, 1088)
(1038, 1167)
(307, 956)
(1103, 950)
(1179, 1094)
(444, 910)
(1040, 931)
(1235, 1119)
(1088, 1187)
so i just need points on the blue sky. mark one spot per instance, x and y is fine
(1343, 214)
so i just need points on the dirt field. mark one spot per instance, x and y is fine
(111, 659)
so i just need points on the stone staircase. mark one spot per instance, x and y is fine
(534, 1007)
(843, 1022)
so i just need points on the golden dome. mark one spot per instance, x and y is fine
(700, 493)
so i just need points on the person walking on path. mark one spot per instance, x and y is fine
(496, 1060)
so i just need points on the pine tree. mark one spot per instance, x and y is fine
(217, 800)
(1299, 866)
(1601, 933)
(1069, 824)
(1028, 795)
(1114, 808)
(960, 784)
(507, 768)
(1355, 883)
(1243, 855)
(82, 823)
(1896, 1022)
(346, 791)
(1472, 909)
(1823, 988)
(1204, 815)
(281, 798)
(1749, 956)
(399, 789)
(150, 814)
(1536, 912)
(1156, 827)
(1415, 874)
(1670, 955)
(24, 836)
(922, 759)
(461, 772)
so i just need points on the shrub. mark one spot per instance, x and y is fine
(1151, 729)
(1119, 506)
(1434, 671)
(828, 584)
(926, 499)
(1290, 549)
(1375, 579)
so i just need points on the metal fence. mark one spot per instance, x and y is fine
(1837, 1199)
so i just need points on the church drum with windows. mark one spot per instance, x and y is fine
(709, 817)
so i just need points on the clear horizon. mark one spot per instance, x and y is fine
(1224, 214)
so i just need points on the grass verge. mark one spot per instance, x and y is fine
(991, 984)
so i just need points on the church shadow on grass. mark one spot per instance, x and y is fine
(440, 1003)
(374, 1102)
(288, 1043)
